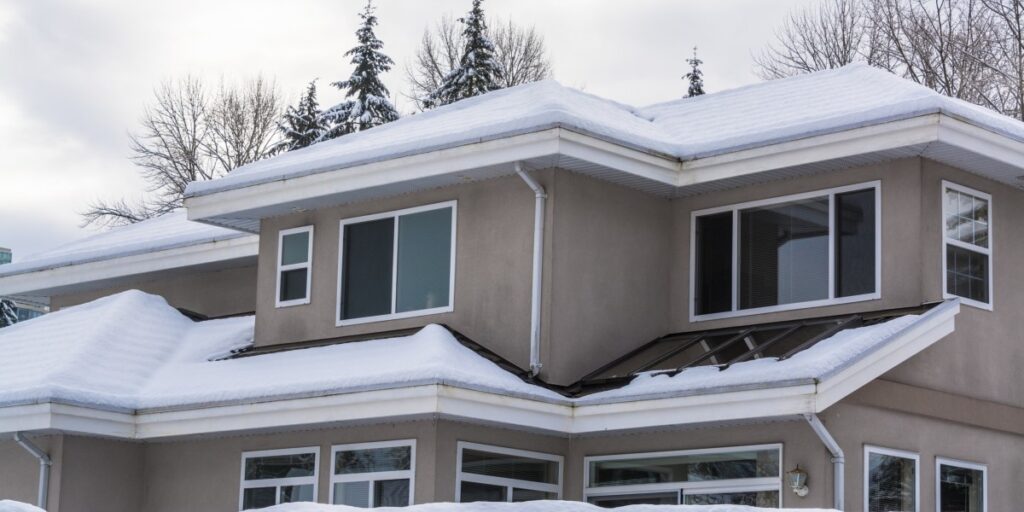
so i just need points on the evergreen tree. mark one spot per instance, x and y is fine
(7, 313)
(366, 104)
(695, 76)
(478, 71)
(301, 125)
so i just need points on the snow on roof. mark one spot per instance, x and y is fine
(17, 506)
(169, 231)
(133, 351)
(765, 113)
(533, 506)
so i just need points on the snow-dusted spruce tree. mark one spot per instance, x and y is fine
(301, 125)
(7, 313)
(478, 71)
(695, 76)
(366, 104)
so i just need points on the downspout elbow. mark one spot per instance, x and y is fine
(838, 459)
(44, 466)
(540, 196)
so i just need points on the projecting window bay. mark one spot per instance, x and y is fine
(804, 250)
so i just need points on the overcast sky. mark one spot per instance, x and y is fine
(75, 75)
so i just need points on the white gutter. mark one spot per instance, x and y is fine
(838, 459)
(538, 266)
(44, 467)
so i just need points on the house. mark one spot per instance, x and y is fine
(800, 293)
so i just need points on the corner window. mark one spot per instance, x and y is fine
(373, 474)
(294, 266)
(967, 245)
(491, 473)
(791, 252)
(278, 476)
(397, 264)
(960, 486)
(744, 475)
(891, 480)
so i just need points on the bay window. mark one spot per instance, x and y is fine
(373, 474)
(744, 475)
(804, 250)
(967, 245)
(891, 480)
(272, 477)
(397, 264)
(491, 473)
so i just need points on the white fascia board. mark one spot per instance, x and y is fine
(661, 169)
(919, 336)
(985, 142)
(75, 274)
(869, 139)
(67, 418)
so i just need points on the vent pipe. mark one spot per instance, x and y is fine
(540, 197)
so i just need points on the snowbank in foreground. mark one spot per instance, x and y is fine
(17, 506)
(531, 506)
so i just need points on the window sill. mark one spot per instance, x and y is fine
(290, 303)
(393, 316)
(785, 307)
(970, 302)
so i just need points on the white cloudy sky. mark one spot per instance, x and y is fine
(75, 74)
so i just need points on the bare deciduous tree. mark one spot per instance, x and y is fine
(190, 135)
(520, 51)
(829, 35)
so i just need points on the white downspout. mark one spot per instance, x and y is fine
(538, 266)
(838, 459)
(44, 467)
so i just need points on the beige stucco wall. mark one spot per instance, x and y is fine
(19, 470)
(209, 292)
(101, 475)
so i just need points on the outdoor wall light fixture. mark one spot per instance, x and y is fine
(798, 481)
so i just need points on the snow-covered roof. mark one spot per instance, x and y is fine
(766, 113)
(133, 353)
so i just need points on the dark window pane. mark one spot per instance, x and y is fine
(891, 484)
(685, 468)
(784, 253)
(394, 458)
(752, 499)
(424, 260)
(366, 273)
(661, 498)
(961, 489)
(258, 497)
(353, 494)
(855, 243)
(293, 284)
(520, 495)
(295, 248)
(713, 238)
(280, 466)
(391, 493)
(472, 491)
(295, 493)
(966, 273)
(509, 466)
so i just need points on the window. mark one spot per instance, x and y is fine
(967, 245)
(745, 475)
(294, 261)
(490, 473)
(891, 481)
(278, 476)
(785, 253)
(960, 486)
(373, 474)
(397, 264)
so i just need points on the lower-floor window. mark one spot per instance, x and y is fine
(960, 486)
(373, 474)
(891, 480)
(491, 473)
(745, 475)
(272, 477)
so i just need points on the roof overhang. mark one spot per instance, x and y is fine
(937, 136)
(72, 278)
(562, 417)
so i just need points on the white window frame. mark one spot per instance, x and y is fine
(508, 483)
(944, 461)
(372, 477)
(280, 482)
(681, 488)
(903, 454)
(987, 251)
(832, 299)
(281, 268)
(394, 265)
